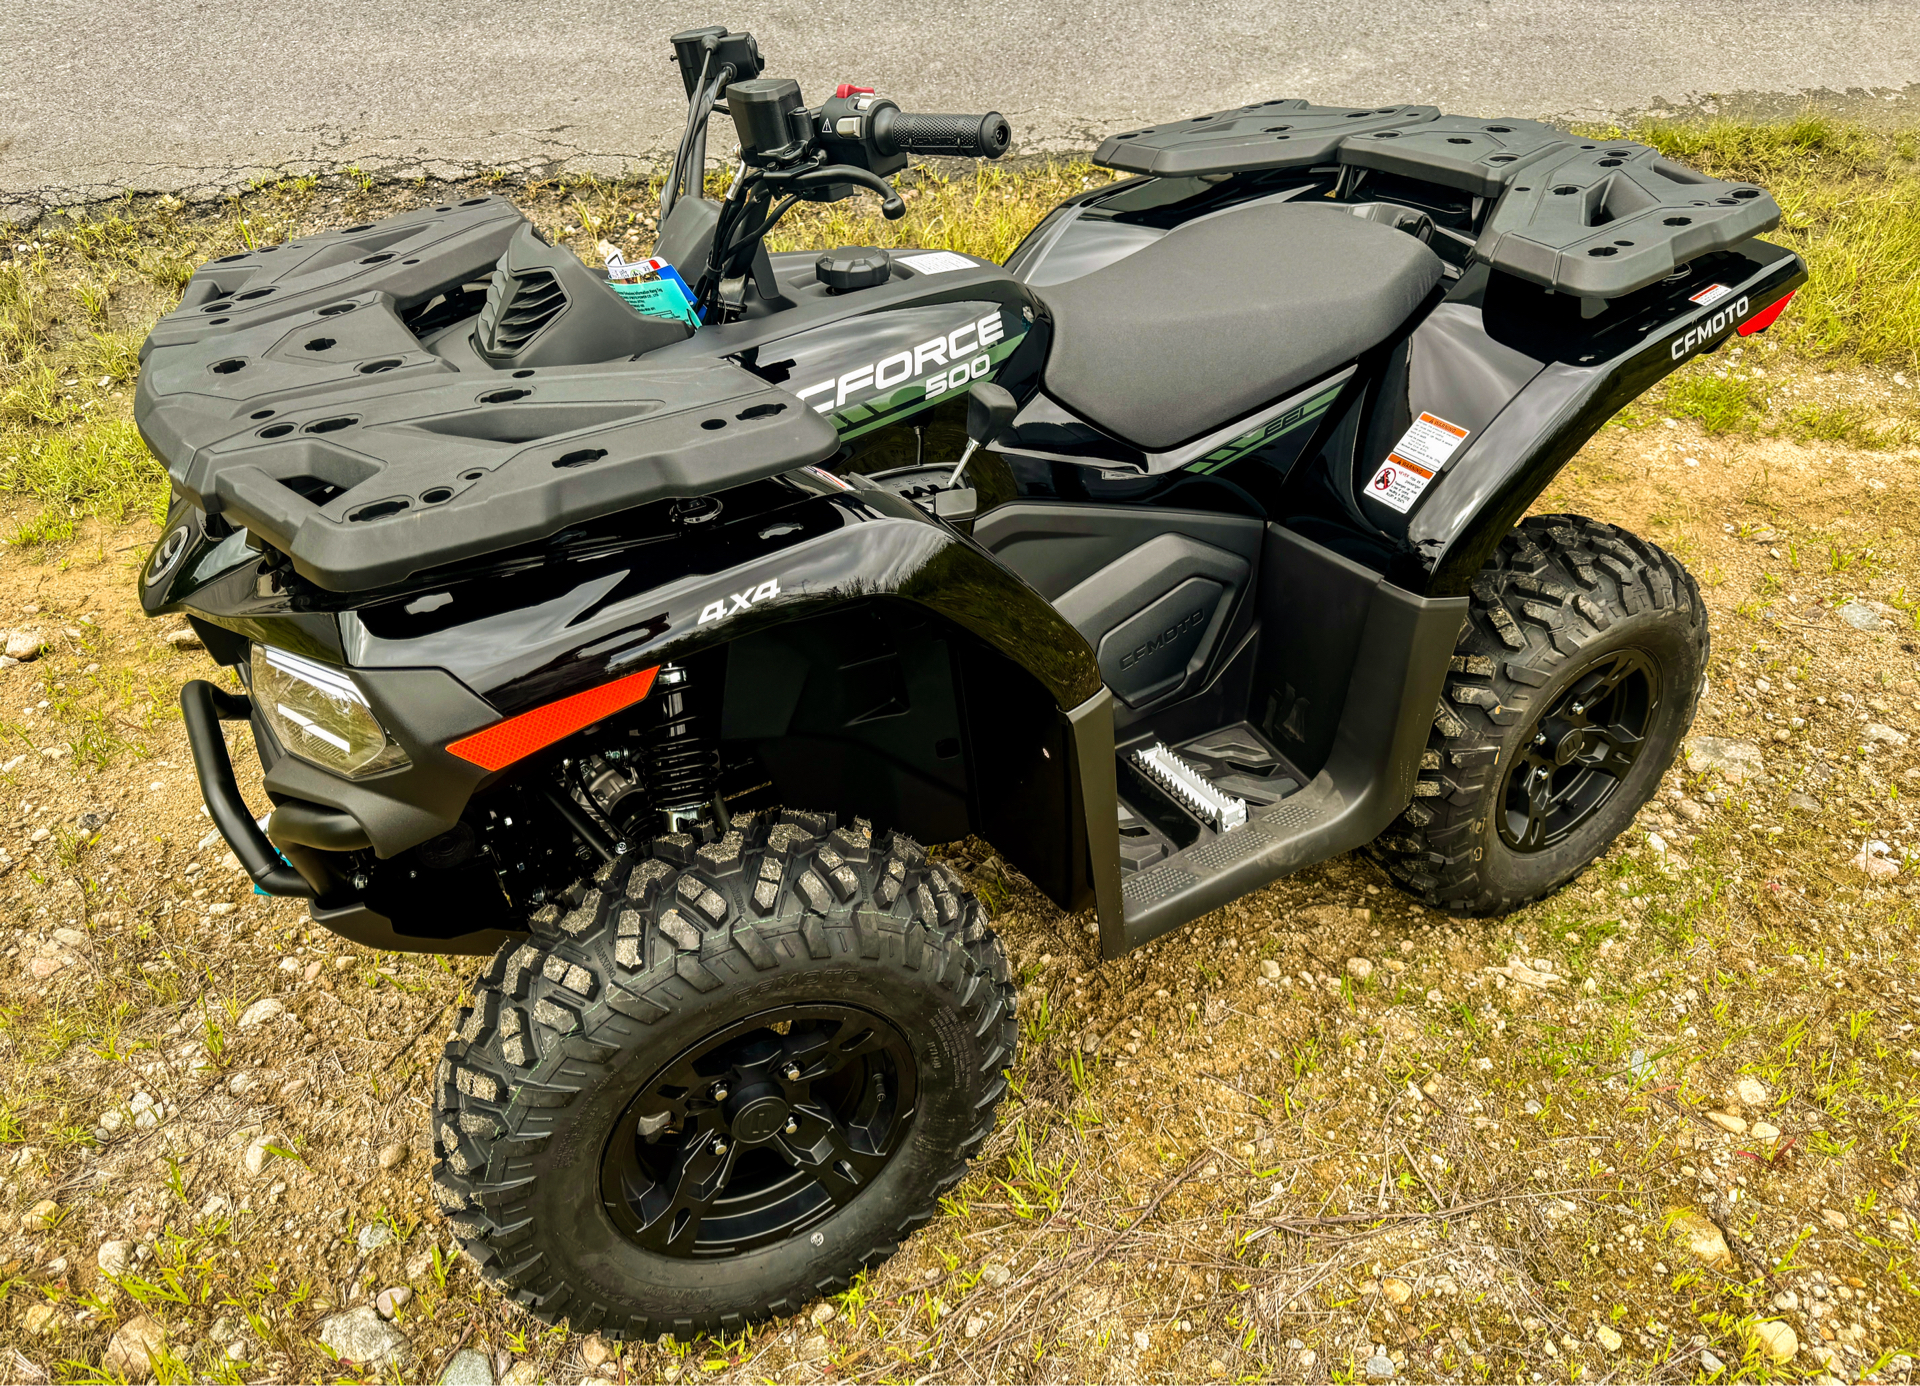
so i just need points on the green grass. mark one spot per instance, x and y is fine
(1850, 204)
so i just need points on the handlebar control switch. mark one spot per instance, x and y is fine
(769, 117)
(853, 267)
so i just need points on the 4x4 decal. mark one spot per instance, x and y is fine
(736, 602)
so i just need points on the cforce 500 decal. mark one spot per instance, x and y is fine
(738, 601)
(941, 364)
(1708, 328)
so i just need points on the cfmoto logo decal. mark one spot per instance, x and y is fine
(737, 602)
(1708, 328)
(1164, 638)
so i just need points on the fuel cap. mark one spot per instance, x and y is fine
(853, 267)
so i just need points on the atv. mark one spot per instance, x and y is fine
(644, 650)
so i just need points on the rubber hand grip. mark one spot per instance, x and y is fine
(963, 136)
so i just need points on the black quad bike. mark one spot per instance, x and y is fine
(1181, 551)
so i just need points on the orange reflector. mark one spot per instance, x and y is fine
(1763, 319)
(501, 744)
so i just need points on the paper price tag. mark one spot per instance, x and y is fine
(652, 287)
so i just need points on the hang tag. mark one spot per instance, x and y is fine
(653, 288)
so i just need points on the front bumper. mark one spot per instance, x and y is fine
(205, 707)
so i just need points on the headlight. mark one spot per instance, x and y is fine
(320, 716)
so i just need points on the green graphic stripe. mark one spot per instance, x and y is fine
(910, 399)
(1278, 427)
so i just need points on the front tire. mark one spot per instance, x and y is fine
(725, 1081)
(1575, 677)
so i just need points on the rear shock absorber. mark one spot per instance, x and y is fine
(682, 755)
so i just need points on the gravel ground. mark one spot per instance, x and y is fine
(1656, 1127)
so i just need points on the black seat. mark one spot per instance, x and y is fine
(1220, 317)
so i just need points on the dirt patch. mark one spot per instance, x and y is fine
(1631, 1130)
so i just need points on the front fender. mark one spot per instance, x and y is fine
(573, 623)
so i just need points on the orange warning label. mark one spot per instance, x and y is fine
(1421, 452)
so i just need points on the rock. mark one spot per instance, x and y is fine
(1709, 1363)
(1764, 1131)
(74, 940)
(822, 1314)
(24, 645)
(1727, 1121)
(255, 1160)
(1702, 1238)
(594, 1350)
(1803, 803)
(393, 1156)
(1379, 1367)
(1786, 1301)
(261, 1011)
(112, 1257)
(1880, 731)
(1690, 811)
(1359, 969)
(392, 1300)
(1734, 761)
(1270, 969)
(814, 1347)
(1142, 1340)
(1861, 616)
(1397, 1290)
(40, 1217)
(995, 1275)
(1872, 859)
(975, 1326)
(1607, 1338)
(468, 1368)
(1779, 1341)
(1834, 1218)
(183, 639)
(39, 1319)
(360, 1335)
(374, 1235)
(130, 1352)
(1309, 1357)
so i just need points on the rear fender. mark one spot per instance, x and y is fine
(1589, 369)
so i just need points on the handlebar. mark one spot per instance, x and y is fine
(963, 136)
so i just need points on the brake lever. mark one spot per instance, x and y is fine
(892, 207)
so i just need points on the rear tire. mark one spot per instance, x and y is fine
(725, 1081)
(1575, 677)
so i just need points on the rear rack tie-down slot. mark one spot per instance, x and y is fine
(1191, 789)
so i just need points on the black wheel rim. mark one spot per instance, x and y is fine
(759, 1131)
(1578, 754)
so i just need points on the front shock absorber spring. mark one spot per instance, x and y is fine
(682, 754)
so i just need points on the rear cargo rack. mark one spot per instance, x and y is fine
(1593, 219)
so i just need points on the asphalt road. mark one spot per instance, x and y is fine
(196, 96)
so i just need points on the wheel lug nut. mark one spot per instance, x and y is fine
(719, 1092)
(1539, 738)
(793, 1073)
(793, 1127)
(719, 1147)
